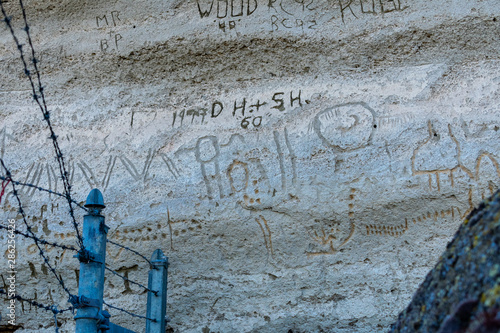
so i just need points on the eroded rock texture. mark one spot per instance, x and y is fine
(462, 292)
(302, 163)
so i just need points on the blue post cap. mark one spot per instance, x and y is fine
(95, 200)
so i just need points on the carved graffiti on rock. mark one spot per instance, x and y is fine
(249, 112)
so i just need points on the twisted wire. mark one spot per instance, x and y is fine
(41, 241)
(37, 243)
(39, 97)
(133, 282)
(51, 308)
(133, 251)
(46, 114)
(40, 100)
(130, 313)
(42, 190)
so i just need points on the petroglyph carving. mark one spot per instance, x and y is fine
(34, 175)
(351, 203)
(140, 234)
(208, 151)
(3, 140)
(473, 129)
(437, 214)
(237, 180)
(92, 179)
(487, 174)
(169, 221)
(281, 158)
(171, 166)
(346, 126)
(330, 237)
(396, 231)
(129, 165)
(293, 157)
(394, 120)
(438, 154)
(259, 185)
(266, 233)
(125, 271)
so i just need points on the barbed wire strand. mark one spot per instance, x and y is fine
(133, 251)
(41, 241)
(57, 149)
(33, 57)
(59, 154)
(46, 113)
(37, 243)
(130, 313)
(51, 308)
(42, 190)
(133, 282)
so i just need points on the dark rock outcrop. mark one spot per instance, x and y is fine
(462, 292)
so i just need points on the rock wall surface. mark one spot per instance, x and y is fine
(302, 163)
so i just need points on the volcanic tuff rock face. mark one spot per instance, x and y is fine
(302, 163)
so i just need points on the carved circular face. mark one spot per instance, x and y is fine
(345, 127)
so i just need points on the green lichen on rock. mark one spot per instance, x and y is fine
(462, 292)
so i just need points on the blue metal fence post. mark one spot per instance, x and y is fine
(89, 317)
(157, 302)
